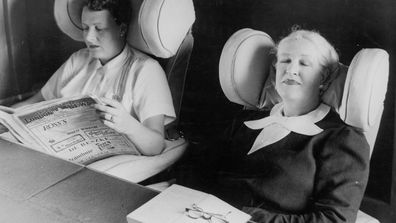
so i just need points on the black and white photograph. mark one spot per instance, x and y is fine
(197, 111)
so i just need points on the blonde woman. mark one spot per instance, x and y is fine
(301, 163)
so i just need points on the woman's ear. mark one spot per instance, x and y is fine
(123, 30)
(325, 74)
(273, 60)
(325, 80)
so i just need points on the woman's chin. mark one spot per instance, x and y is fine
(98, 56)
(290, 95)
(94, 53)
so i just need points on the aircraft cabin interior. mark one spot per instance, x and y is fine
(221, 60)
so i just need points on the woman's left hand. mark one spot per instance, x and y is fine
(114, 115)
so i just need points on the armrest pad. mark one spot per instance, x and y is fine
(138, 168)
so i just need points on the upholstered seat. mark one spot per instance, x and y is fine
(160, 28)
(357, 93)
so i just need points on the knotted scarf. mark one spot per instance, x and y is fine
(276, 126)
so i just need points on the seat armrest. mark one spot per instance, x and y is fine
(138, 168)
(365, 218)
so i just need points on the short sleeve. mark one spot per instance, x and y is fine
(54, 85)
(152, 94)
(51, 88)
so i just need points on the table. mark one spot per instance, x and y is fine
(37, 187)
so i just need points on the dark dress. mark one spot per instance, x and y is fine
(300, 178)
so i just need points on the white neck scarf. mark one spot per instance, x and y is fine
(276, 126)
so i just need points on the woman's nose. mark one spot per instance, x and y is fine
(292, 68)
(90, 35)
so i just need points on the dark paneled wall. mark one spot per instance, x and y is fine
(32, 46)
(14, 55)
(48, 46)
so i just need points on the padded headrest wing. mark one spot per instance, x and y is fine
(244, 66)
(365, 88)
(158, 27)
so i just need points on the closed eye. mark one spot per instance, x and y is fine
(304, 64)
(284, 61)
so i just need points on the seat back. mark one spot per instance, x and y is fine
(357, 92)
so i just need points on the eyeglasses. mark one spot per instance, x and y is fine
(196, 212)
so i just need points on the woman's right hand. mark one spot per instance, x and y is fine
(147, 136)
(114, 115)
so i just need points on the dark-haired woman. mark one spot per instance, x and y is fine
(132, 85)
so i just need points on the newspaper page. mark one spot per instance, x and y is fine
(70, 128)
(13, 131)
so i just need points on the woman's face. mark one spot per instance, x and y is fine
(101, 34)
(298, 72)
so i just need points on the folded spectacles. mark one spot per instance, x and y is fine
(196, 212)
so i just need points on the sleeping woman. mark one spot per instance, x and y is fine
(301, 163)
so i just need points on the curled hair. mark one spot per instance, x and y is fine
(328, 56)
(119, 9)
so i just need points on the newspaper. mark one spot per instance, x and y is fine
(68, 128)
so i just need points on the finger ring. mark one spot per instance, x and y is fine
(111, 118)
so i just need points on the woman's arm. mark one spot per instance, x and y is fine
(341, 178)
(34, 99)
(148, 136)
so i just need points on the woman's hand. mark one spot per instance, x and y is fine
(114, 115)
(148, 136)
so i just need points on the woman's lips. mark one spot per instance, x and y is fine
(291, 82)
(93, 46)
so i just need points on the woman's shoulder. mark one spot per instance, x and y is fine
(338, 132)
(146, 68)
(80, 56)
(333, 121)
(81, 53)
(141, 56)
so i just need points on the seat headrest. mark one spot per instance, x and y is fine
(244, 65)
(357, 92)
(157, 27)
(365, 88)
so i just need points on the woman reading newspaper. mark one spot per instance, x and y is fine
(133, 86)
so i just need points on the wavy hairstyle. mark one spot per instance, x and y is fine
(328, 56)
(119, 9)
